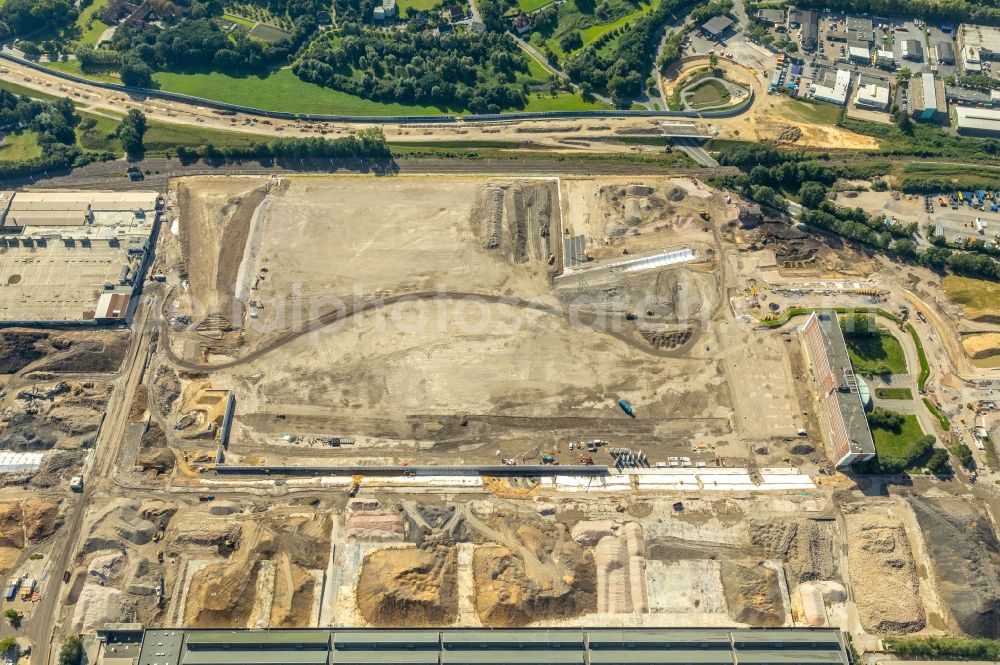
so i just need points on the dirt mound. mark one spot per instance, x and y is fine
(883, 574)
(982, 346)
(667, 339)
(376, 526)
(507, 594)
(590, 532)
(408, 587)
(154, 454)
(24, 523)
(101, 355)
(57, 466)
(807, 547)
(753, 594)
(675, 194)
(119, 523)
(166, 389)
(20, 348)
(96, 606)
(965, 556)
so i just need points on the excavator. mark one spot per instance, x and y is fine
(355, 486)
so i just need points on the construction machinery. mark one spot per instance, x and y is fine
(627, 408)
(355, 486)
(548, 459)
(587, 459)
(704, 214)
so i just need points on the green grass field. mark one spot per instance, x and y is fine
(894, 393)
(18, 147)
(571, 18)
(563, 101)
(73, 67)
(239, 20)
(281, 91)
(897, 444)
(414, 6)
(870, 353)
(980, 297)
(707, 93)
(268, 33)
(532, 5)
(16, 89)
(813, 112)
(90, 34)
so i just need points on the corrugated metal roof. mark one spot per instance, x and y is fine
(656, 656)
(610, 637)
(789, 657)
(365, 637)
(261, 637)
(256, 657)
(379, 656)
(523, 657)
(512, 638)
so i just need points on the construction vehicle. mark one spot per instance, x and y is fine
(76, 483)
(65, 577)
(548, 459)
(704, 215)
(586, 459)
(355, 486)
(27, 588)
(627, 408)
(12, 587)
(206, 497)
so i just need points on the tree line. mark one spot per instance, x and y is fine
(462, 70)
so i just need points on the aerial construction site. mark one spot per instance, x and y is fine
(484, 401)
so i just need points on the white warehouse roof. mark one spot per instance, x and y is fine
(873, 95)
(979, 120)
(837, 93)
(97, 201)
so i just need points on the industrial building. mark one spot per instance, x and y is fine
(850, 439)
(962, 96)
(832, 86)
(977, 43)
(945, 53)
(717, 27)
(807, 20)
(860, 30)
(971, 121)
(927, 99)
(771, 16)
(474, 646)
(911, 49)
(74, 257)
(872, 94)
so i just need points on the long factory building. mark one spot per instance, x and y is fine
(476, 646)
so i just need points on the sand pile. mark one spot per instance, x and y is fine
(376, 526)
(811, 598)
(883, 574)
(508, 593)
(153, 453)
(141, 581)
(119, 522)
(982, 346)
(614, 587)
(96, 606)
(106, 567)
(589, 532)
(408, 587)
(965, 557)
(753, 594)
(24, 523)
(223, 508)
(806, 547)
(675, 194)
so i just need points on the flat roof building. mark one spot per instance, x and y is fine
(971, 121)
(859, 53)
(985, 39)
(832, 87)
(473, 646)
(872, 94)
(962, 96)
(807, 20)
(860, 29)
(717, 26)
(911, 49)
(771, 16)
(927, 99)
(849, 436)
(945, 52)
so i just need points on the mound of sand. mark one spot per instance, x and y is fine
(376, 526)
(507, 593)
(753, 594)
(118, 523)
(23, 523)
(982, 346)
(96, 606)
(589, 532)
(675, 194)
(806, 547)
(408, 587)
(223, 508)
(883, 574)
(207, 532)
(106, 567)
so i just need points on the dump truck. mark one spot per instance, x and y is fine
(27, 588)
(627, 408)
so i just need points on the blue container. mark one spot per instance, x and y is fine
(627, 408)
